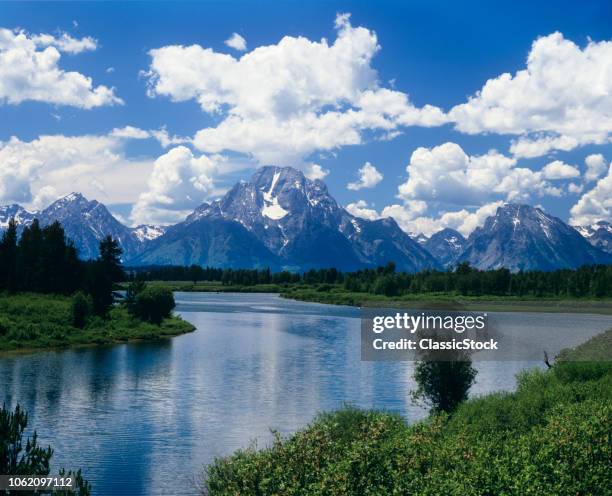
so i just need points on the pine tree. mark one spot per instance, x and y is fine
(8, 262)
(110, 257)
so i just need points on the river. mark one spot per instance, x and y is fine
(145, 418)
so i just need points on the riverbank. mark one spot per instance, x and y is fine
(335, 294)
(550, 436)
(33, 322)
(339, 296)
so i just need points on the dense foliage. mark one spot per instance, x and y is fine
(15, 459)
(42, 260)
(443, 385)
(588, 281)
(152, 304)
(551, 436)
(33, 321)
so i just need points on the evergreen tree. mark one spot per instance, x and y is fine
(8, 260)
(33, 459)
(110, 257)
(29, 263)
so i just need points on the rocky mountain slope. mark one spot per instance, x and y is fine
(282, 219)
(598, 234)
(520, 237)
(446, 246)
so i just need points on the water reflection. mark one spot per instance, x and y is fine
(144, 418)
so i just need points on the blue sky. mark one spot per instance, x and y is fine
(386, 88)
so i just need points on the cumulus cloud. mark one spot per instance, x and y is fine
(446, 174)
(29, 70)
(44, 197)
(464, 221)
(280, 103)
(596, 204)
(595, 166)
(561, 100)
(130, 132)
(559, 170)
(369, 177)
(178, 183)
(360, 209)
(236, 42)
(161, 135)
(315, 171)
(66, 43)
(31, 172)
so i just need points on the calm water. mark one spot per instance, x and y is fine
(144, 418)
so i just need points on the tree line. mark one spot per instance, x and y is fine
(593, 280)
(43, 260)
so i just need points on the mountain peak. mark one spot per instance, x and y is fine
(446, 245)
(289, 219)
(522, 237)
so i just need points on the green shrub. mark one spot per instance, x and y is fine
(551, 436)
(153, 304)
(81, 309)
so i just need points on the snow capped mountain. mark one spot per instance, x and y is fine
(520, 237)
(291, 222)
(147, 232)
(21, 215)
(419, 238)
(282, 220)
(598, 234)
(86, 223)
(446, 246)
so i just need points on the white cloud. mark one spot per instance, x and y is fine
(66, 43)
(31, 170)
(280, 103)
(596, 204)
(596, 166)
(360, 209)
(574, 188)
(463, 220)
(561, 100)
(236, 42)
(315, 171)
(446, 174)
(29, 70)
(179, 182)
(161, 135)
(369, 177)
(44, 197)
(559, 170)
(130, 132)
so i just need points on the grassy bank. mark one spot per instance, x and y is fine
(35, 321)
(215, 287)
(551, 436)
(337, 295)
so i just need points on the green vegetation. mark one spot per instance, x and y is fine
(443, 385)
(33, 460)
(40, 270)
(32, 321)
(551, 436)
(588, 289)
(586, 282)
(152, 304)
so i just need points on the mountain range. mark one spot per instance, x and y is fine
(283, 220)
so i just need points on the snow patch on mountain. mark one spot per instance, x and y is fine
(271, 208)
